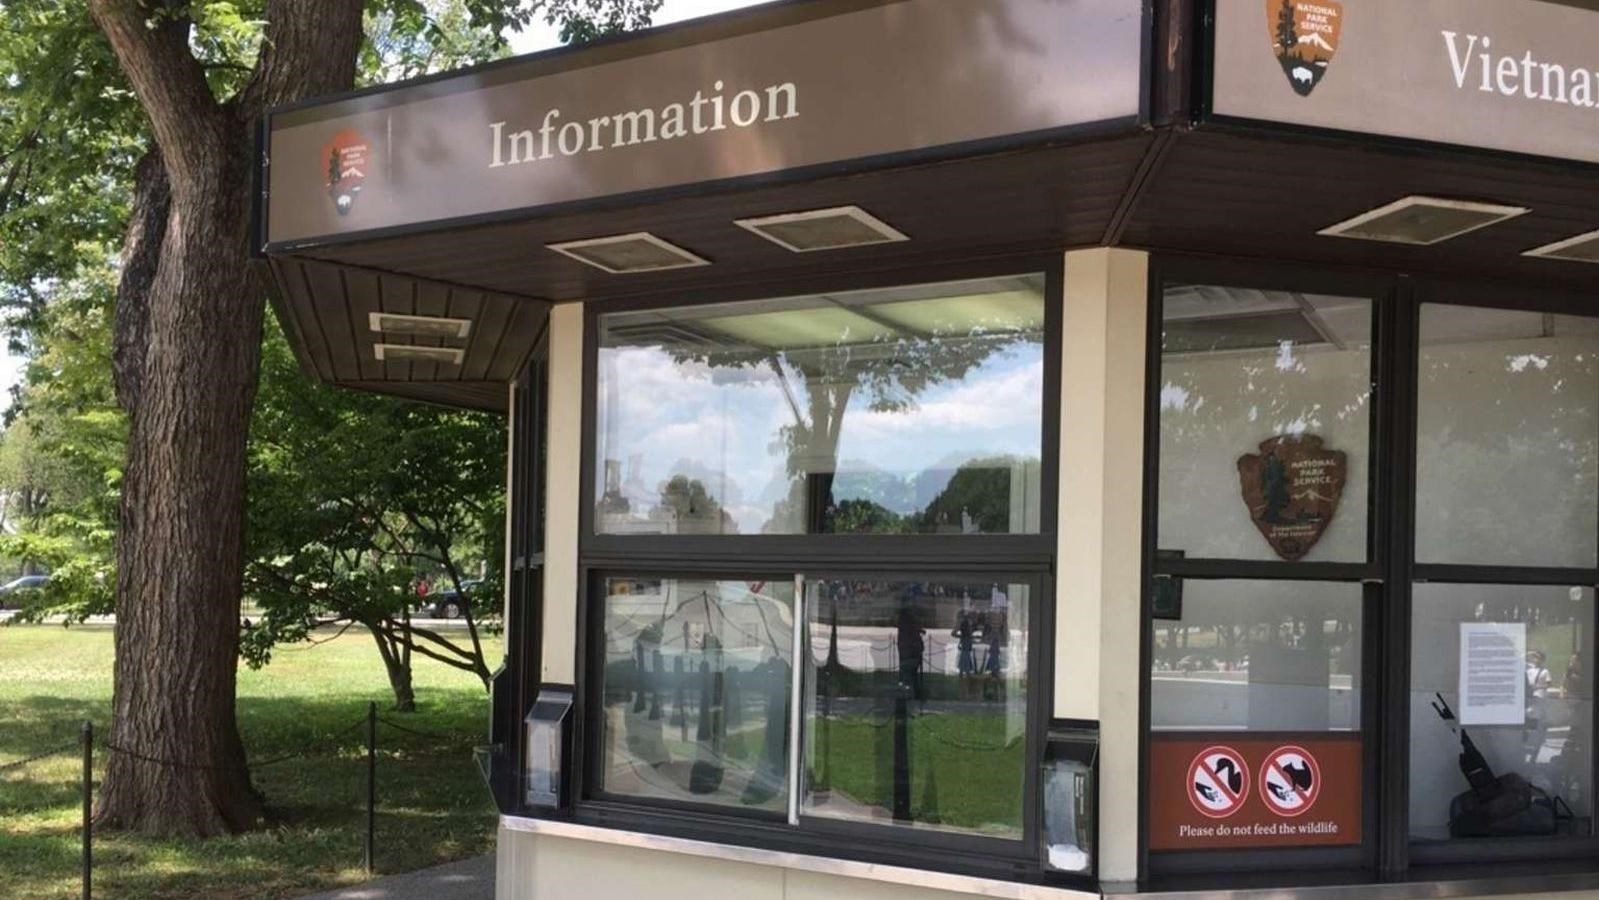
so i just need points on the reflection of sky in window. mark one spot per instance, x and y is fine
(722, 426)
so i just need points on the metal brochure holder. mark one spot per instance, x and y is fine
(549, 750)
(1071, 798)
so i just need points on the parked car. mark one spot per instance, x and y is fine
(447, 604)
(11, 592)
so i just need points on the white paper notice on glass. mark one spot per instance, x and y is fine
(1493, 678)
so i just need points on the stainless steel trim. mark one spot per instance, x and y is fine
(843, 868)
(796, 694)
(1409, 890)
(1520, 884)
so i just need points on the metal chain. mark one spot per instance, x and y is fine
(424, 734)
(17, 764)
(261, 764)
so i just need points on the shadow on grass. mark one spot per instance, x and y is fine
(432, 804)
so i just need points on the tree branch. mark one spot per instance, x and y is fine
(151, 40)
(141, 256)
(310, 48)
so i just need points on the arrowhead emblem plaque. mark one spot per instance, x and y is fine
(1304, 34)
(1292, 488)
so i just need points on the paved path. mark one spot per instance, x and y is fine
(471, 879)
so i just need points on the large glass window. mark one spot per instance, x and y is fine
(1259, 656)
(1265, 424)
(892, 696)
(1256, 676)
(902, 411)
(1508, 438)
(1270, 661)
(696, 686)
(1501, 711)
(916, 711)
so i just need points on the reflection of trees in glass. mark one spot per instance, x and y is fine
(1227, 385)
(884, 372)
(1507, 446)
(686, 502)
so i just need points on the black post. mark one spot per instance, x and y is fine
(371, 784)
(902, 754)
(88, 805)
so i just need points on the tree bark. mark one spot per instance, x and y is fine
(186, 365)
(397, 663)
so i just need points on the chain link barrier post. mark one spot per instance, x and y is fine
(88, 807)
(371, 785)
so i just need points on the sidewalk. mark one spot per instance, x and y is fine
(471, 879)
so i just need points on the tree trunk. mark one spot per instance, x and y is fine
(188, 345)
(177, 763)
(397, 663)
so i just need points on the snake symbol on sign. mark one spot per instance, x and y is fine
(1290, 781)
(1218, 782)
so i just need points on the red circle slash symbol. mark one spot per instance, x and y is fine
(1218, 782)
(1290, 781)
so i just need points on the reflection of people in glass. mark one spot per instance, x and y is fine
(912, 645)
(965, 635)
(1538, 683)
(995, 633)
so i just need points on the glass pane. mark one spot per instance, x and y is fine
(1501, 711)
(1255, 706)
(1507, 471)
(916, 704)
(912, 410)
(1265, 418)
(696, 689)
(1259, 656)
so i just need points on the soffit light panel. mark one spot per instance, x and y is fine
(1582, 248)
(627, 254)
(419, 326)
(823, 229)
(449, 356)
(1423, 221)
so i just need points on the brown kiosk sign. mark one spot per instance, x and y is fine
(827, 83)
(1519, 76)
(1236, 790)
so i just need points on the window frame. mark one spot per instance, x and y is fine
(1028, 558)
(1468, 850)
(1388, 574)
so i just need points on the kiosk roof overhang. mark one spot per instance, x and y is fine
(975, 129)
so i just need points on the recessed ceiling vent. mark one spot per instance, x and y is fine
(1582, 248)
(449, 356)
(824, 229)
(419, 326)
(1423, 221)
(626, 254)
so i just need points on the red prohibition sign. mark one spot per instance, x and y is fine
(1218, 782)
(1290, 781)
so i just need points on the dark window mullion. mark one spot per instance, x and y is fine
(1458, 574)
(1399, 348)
(1265, 570)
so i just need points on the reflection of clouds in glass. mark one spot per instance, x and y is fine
(722, 426)
(1003, 393)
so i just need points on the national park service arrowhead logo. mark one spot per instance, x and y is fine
(1292, 488)
(1305, 35)
(347, 164)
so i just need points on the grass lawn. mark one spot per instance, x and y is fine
(965, 773)
(432, 804)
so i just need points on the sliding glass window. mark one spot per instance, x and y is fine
(875, 463)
